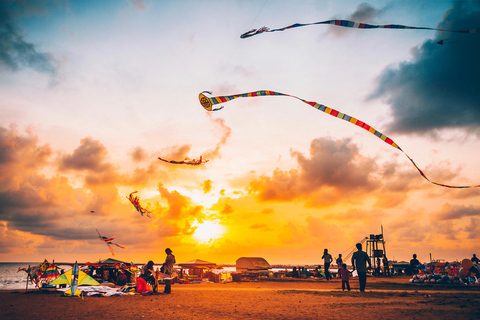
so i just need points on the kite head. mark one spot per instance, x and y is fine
(205, 102)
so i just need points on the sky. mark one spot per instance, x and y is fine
(93, 92)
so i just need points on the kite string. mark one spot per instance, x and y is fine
(235, 48)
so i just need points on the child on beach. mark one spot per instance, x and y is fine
(345, 274)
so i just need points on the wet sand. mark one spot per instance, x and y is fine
(386, 298)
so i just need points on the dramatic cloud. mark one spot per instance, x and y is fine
(333, 169)
(90, 157)
(15, 52)
(439, 87)
(452, 212)
(48, 214)
(179, 206)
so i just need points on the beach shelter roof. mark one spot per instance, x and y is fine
(112, 261)
(252, 263)
(197, 263)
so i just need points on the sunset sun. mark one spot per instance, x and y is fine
(208, 231)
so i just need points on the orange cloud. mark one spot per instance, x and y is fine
(179, 206)
(334, 169)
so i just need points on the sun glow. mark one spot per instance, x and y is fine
(208, 231)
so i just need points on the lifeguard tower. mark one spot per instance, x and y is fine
(375, 248)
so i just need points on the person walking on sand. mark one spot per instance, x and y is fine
(327, 259)
(345, 275)
(339, 261)
(359, 263)
(168, 269)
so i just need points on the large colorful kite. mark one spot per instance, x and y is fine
(209, 102)
(351, 24)
(135, 200)
(108, 241)
(192, 162)
(74, 277)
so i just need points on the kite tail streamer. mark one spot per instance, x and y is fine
(351, 24)
(209, 102)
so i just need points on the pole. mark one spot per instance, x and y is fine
(28, 275)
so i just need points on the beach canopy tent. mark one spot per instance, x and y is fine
(196, 268)
(105, 270)
(197, 263)
(252, 264)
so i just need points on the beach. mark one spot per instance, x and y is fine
(385, 298)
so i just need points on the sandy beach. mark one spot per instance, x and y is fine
(386, 298)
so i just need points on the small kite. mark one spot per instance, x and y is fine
(193, 162)
(351, 24)
(209, 102)
(135, 200)
(74, 277)
(108, 241)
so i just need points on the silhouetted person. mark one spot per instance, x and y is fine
(475, 259)
(121, 278)
(359, 263)
(377, 267)
(345, 275)
(339, 261)
(413, 264)
(386, 268)
(327, 260)
(168, 269)
(147, 273)
(295, 273)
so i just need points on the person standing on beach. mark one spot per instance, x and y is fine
(339, 261)
(359, 263)
(475, 259)
(386, 268)
(413, 264)
(168, 269)
(327, 259)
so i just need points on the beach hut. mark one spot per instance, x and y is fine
(195, 269)
(252, 264)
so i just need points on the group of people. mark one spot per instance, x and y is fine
(473, 269)
(360, 259)
(149, 275)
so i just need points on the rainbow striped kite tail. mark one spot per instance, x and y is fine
(253, 32)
